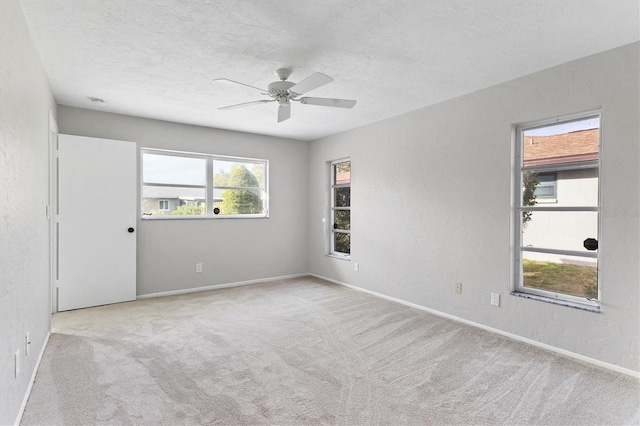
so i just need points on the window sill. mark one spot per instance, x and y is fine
(335, 256)
(575, 305)
(187, 217)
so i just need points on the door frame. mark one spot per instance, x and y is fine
(52, 212)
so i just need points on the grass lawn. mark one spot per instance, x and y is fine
(561, 278)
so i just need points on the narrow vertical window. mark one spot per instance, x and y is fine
(341, 208)
(556, 214)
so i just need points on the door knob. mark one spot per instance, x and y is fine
(130, 230)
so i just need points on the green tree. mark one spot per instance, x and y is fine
(189, 209)
(258, 172)
(529, 183)
(241, 201)
(221, 178)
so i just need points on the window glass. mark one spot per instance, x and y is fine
(562, 144)
(342, 219)
(342, 173)
(343, 196)
(546, 187)
(569, 188)
(340, 224)
(175, 184)
(570, 275)
(238, 187)
(183, 201)
(561, 230)
(240, 201)
(173, 169)
(238, 174)
(342, 243)
(558, 171)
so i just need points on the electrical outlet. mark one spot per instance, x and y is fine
(17, 363)
(458, 288)
(356, 267)
(495, 299)
(198, 267)
(27, 343)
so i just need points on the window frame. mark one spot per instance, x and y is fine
(517, 287)
(332, 209)
(208, 186)
(160, 203)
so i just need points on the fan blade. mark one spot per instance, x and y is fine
(312, 82)
(339, 103)
(284, 112)
(247, 104)
(237, 82)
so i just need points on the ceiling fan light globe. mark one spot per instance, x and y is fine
(283, 73)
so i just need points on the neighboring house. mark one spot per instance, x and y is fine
(566, 186)
(343, 177)
(162, 200)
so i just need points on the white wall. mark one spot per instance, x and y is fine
(25, 102)
(231, 250)
(431, 197)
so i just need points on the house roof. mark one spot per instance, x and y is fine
(582, 145)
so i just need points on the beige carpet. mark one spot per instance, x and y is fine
(305, 351)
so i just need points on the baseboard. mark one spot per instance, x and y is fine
(32, 381)
(218, 286)
(602, 364)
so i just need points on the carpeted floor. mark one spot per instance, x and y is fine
(305, 351)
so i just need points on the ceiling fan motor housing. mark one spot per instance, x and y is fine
(279, 89)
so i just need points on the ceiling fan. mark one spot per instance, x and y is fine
(284, 92)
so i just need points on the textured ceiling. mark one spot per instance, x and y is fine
(157, 59)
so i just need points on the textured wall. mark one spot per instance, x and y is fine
(431, 198)
(231, 250)
(25, 102)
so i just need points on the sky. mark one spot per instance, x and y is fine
(175, 170)
(181, 170)
(591, 123)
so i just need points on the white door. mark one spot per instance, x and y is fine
(96, 220)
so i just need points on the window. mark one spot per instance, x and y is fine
(181, 184)
(546, 187)
(238, 187)
(340, 223)
(556, 256)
